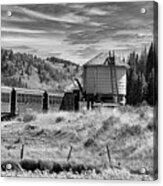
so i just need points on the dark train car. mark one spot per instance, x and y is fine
(5, 100)
(55, 101)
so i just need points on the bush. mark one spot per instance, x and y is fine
(45, 165)
(29, 117)
(151, 126)
(59, 119)
(90, 142)
(127, 130)
(29, 165)
(110, 122)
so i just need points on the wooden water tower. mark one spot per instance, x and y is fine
(104, 79)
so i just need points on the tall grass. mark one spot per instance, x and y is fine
(128, 132)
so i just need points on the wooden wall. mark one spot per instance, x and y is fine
(97, 80)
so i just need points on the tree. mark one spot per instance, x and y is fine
(151, 76)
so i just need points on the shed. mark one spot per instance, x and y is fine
(104, 78)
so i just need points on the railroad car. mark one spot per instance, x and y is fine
(5, 100)
(19, 100)
(28, 99)
(55, 101)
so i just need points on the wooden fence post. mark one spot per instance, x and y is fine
(108, 152)
(22, 152)
(69, 154)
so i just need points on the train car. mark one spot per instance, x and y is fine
(28, 99)
(55, 101)
(20, 100)
(5, 100)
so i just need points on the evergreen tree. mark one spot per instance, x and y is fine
(151, 76)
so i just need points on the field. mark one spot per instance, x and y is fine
(128, 133)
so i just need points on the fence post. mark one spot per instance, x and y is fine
(13, 102)
(108, 152)
(45, 102)
(22, 152)
(69, 154)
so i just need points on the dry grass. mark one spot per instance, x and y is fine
(126, 130)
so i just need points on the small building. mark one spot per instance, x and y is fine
(104, 79)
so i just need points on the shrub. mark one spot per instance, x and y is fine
(45, 165)
(29, 165)
(59, 119)
(56, 167)
(90, 142)
(151, 126)
(29, 117)
(127, 130)
(111, 121)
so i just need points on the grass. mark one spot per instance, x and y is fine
(127, 131)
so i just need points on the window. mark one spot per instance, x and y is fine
(26, 98)
(19, 98)
(5, 97)
(55, 100)
(23, 98)
(39, 99)
(50, 100)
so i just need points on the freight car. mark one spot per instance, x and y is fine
(18, 100)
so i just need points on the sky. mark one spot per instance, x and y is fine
(77, 32)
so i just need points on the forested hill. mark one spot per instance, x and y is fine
(29, 71)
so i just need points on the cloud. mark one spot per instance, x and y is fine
(77, 32)
(18, 30)
(22, 47)
(88, 52)
(97, 11)
(56, 54)
(69, 18)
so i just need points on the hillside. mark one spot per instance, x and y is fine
(26, 70)
(127, 131)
